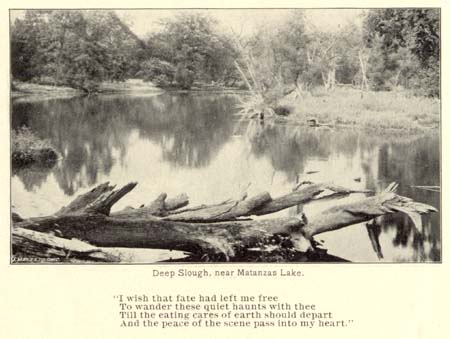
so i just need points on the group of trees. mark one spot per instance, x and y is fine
(392, 48)
(405, 49)
(188, 49)
(83, 48)
(74, 48)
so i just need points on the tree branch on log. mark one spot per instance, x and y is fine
(161, 206)
(366, 209)
(261, 204)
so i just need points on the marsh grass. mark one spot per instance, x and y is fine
(385, 110)
(27, 149)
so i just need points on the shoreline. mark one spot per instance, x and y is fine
(30, 92)
(341, 108)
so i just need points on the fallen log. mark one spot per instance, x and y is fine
(41, 245)
(137, 232)
(261, 204)
(32, 246)
(215, 230)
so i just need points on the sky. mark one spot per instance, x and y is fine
(241, 21)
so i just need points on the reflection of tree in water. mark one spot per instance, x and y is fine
(32, 177)
(409, 160)
(89, 131)
(191, 129)
(288, 148)
(82, 130)
(414, 163)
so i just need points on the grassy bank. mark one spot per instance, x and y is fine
(27, 149)
(24, 91)
(383, 110)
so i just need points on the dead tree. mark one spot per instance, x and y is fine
(86, 228)
(363, 60)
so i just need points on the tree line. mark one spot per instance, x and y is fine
(74, 48)
(393, 48)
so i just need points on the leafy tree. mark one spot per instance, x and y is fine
(75, 48)
(406, 46)
(26, 45)
(197, 52)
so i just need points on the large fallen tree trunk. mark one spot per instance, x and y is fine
(214, 230)
(39, 245)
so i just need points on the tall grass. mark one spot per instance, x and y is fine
(396, 110)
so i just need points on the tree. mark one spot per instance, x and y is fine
(405, 44)
(71, 47)
(26, 45)
(191, 45)
(124, 50)
(273, 62)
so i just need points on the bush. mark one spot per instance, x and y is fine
(27, 149)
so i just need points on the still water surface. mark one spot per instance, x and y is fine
(194, 143)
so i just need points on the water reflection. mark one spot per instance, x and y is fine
(32, 177)
(92, 133)
(193, 143)
(362, 160)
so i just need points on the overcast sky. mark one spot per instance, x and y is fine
(243, 21)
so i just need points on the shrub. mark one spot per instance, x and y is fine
(27, 149)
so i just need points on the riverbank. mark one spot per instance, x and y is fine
(375, 110)
(342, 107)
(31, 92)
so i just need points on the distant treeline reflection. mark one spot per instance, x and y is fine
(87, 132)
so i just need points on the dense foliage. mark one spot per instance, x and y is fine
(75, 48)
(405, 45)
(392, 49)
(189, 44)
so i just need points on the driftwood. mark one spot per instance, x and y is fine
(86, 227)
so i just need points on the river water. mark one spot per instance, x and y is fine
(195, 143)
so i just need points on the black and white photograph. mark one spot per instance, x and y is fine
(296, 135)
